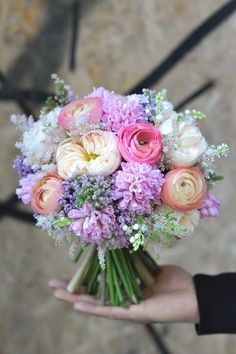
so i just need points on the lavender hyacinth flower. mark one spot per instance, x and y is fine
(118, 110)
(26, 185)
(93, 225)
(137, 186)
(210, 206)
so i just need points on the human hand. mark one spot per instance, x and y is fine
(171, 299)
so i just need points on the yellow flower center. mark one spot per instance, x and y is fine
(90, 156)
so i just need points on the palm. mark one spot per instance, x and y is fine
(171, 299)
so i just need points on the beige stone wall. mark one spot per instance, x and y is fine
(119, 43)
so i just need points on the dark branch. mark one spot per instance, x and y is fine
(20, 102)
(7, 210)
(190, 42)
(157, 339)
(29, 95)
(75, 29)
(201, 90)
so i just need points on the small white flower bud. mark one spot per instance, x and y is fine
(135, 226)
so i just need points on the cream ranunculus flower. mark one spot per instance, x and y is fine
(95, 153)
(189, 142)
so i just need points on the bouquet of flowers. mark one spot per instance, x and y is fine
(112, 174)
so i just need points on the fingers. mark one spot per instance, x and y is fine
(57, 283)
(93, 308)
(133, 313)
(62, 294)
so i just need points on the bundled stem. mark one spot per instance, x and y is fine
(121, 281)
(83, 267)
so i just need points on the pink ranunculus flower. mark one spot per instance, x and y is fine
(185, 188)
(46, 194)
(141, 142)
(80, 112)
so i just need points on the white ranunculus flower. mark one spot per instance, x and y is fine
(37, 145)
(95, 153)
(167, 121)
(188, 219)
(189, 142)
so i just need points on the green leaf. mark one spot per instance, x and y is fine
(62, 222)
(85, 195)
(213, 177)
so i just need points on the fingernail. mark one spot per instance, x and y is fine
(51, 283)
(58, 294)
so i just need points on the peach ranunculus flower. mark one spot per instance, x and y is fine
(189, 141)
(95, 153)
(80, 112)
(184, 189)
(46, 194)
(140, 142)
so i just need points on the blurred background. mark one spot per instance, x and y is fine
(187, 47)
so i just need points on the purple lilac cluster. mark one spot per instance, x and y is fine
(149, 103)
(71, 189)
(120, 111)
(95, 189)
(137, 186)
(21, 167)
(210, 206)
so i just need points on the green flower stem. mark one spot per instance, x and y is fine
(77, 255)
(149, 262)
(103, 286)
(83, 267)
(122, 275)
(109, 266)
(128, 275)
(133, 276)
(91, 271)
(119, 295)
(142, 271)
(96, 284)
(99, 289)
(93, 280)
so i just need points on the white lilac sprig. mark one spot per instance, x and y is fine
(57, 231)
(63, 95)
(207, 161)
(192, 115)
(22, 122)
(168, 143)
(160, 226)
(155, 105)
